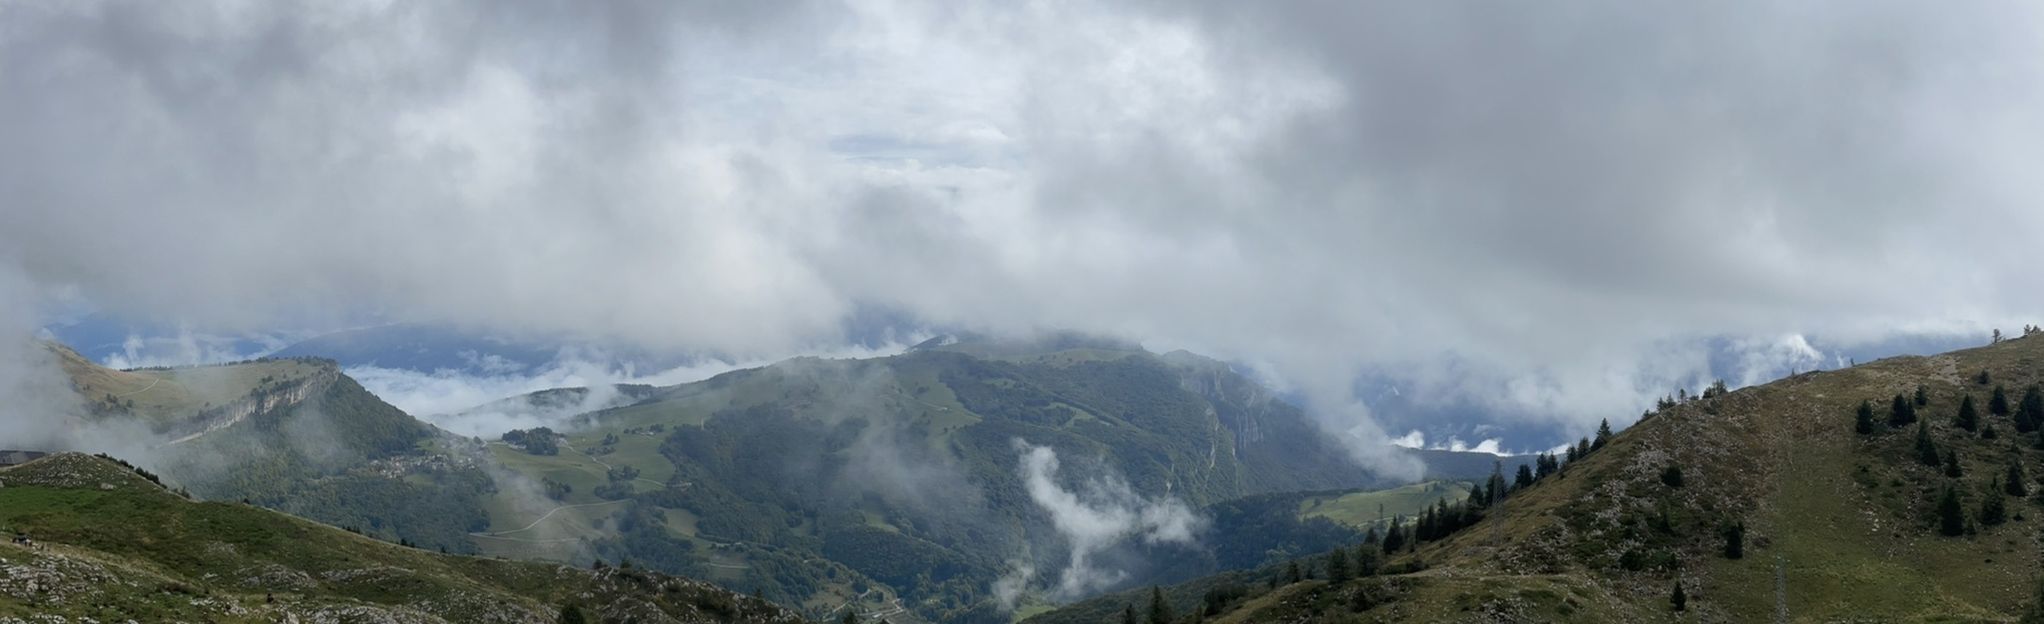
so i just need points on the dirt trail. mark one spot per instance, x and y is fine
(542, 518)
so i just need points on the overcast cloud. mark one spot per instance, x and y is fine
(1548, 208)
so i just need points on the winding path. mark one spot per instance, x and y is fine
(542, 518)
(153, 380)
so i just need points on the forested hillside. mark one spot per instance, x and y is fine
(1901, 490)
(818, 480)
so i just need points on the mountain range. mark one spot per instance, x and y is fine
(890, 485)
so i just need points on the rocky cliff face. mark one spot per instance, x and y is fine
(267, 397)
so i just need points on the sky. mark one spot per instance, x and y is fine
(1549, 213)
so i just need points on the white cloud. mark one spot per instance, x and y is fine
(1545, 211)
(464, 402)
(1104, 512)
(1490, 446)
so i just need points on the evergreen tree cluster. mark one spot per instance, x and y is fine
(537, 440)
(2030, 413)
(1901, 412)
(1951, 514)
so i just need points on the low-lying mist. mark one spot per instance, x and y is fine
(1099, 513)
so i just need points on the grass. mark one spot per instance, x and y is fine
(1840, 522)
(114, 547)
(165, 396)
(1378, 507)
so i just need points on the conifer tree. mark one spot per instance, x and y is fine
(1968, 419)
(1571, 453)
(1900, 412)
(1679, 600)
(1603, 434)
(1926, 450)
(1993, 508)
(1922, 396)
(1160, 611)
(1735, 539)
(1863, 420)
(1337, 565)
(1672, 476)
(1952, 468)
(852, 616)
(1524, 478)
(1368, 560)
(2030, 416)
(1951, 515)
(1128, 613)
(2014, 483)
(572, 614)
(1292, 574)
(1983, 378)
(1998, 404)
(1583, 447)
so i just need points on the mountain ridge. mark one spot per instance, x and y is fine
(103, 541)
(1832, 523)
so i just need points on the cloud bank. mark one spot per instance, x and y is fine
(1547, 211)
(1099, 515)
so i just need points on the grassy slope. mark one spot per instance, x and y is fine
(165, 396)
(112, 545)
(298, 436)
(1365, 508)
(1845, 518)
